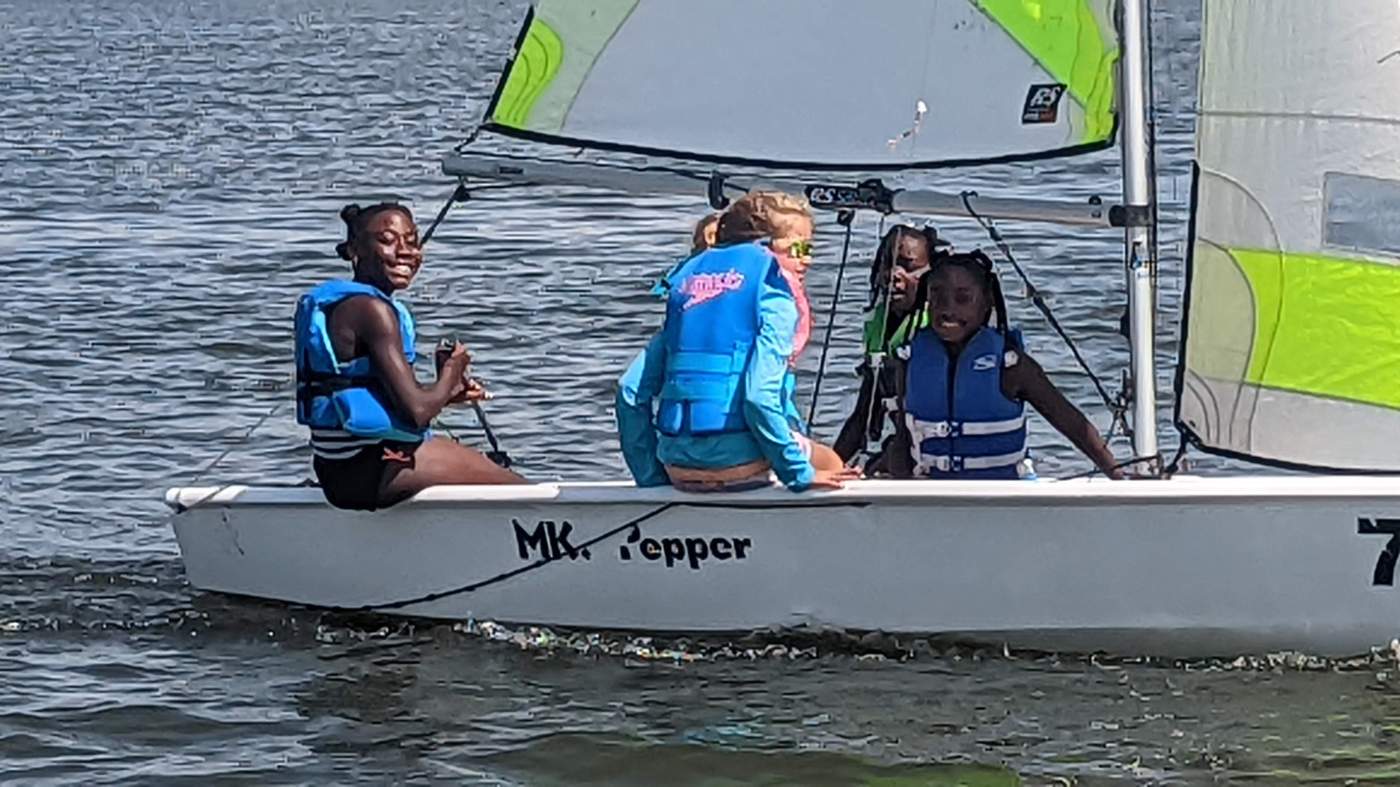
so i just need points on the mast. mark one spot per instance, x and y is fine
(1139, 256)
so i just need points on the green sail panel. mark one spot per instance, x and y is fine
(1320, 327)
(536, 64)
(1073, 44)
(1291, 341)
(816, 83)
(547, 71)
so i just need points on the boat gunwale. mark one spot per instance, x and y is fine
(1078, 492)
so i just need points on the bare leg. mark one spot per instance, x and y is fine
(440, 460)
(824, 458)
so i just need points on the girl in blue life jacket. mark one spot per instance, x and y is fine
(356, 390)
(708, 405)
(965, 384)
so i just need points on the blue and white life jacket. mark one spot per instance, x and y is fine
(712, 322)
(337, 398)
(960, 423)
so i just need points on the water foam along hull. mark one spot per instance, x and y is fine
(1189, 567)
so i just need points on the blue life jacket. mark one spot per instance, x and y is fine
(346, 396)
(712, 323)
(960, 423)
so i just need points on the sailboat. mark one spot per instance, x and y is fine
(1290, 353)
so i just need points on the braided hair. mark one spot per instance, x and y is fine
(981, 267)
(357, 218)
(887, 251)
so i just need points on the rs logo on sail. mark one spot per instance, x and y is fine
(1042, 103)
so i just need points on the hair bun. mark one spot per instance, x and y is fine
(343, 249)
(349, 213)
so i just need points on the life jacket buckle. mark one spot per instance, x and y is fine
(942, 464)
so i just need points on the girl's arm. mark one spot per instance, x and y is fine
(764, 404)
(636, 389)
(1025, 380)
(375, 328)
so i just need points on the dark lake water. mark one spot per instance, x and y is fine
(171, 177)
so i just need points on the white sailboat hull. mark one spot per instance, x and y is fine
(1189, 567)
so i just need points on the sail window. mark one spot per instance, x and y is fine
(1361, 213)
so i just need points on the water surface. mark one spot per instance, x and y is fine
(172, 173)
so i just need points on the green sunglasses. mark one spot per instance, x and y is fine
(800, 248)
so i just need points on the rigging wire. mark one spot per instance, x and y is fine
(1178, 462)
(1117, 406)
(496, 455)
(875, 360)
(845, 218)
(222, 455)
(1126, 463)
(1154, 239)
(459, 194)
(633, 524)
(1152, 151)
(528, 567)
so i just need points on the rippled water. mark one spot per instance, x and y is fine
(172, 173)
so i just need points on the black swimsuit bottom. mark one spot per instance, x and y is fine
(357, 483)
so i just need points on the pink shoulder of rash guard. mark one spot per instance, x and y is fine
(804, 315)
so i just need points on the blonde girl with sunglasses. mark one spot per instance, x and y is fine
(708, 405)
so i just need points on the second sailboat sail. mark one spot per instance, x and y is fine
(816, 83)
(1292, 337)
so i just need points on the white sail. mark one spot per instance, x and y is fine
(816, 83)
(1291, 347)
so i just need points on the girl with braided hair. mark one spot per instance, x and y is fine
(964, 379)
(903, 257)
(356, 390)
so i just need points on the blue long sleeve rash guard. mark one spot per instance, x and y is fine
(766, 408)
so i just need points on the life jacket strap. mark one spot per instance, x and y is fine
(924, 430)
(954, 464)
(708, 363)
(994, 427)
(696, 390)
(323, 384)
